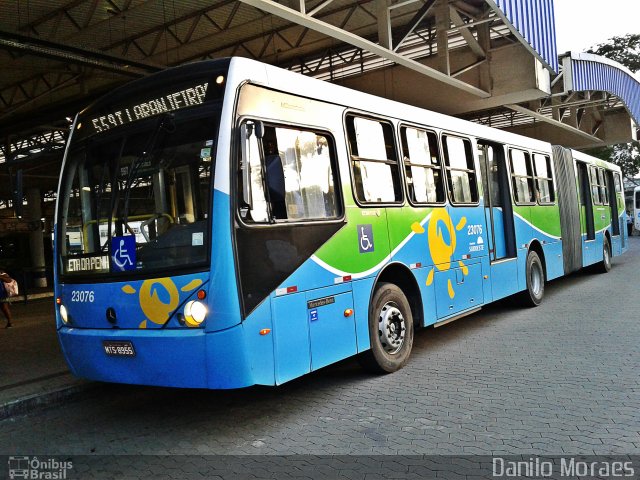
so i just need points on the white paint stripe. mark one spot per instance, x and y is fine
(534, 227)
(377, 267)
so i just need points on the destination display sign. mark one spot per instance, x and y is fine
(89, 263)
(174, 100)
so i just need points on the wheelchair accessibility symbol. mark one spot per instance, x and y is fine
(365, 238)
(123, 253)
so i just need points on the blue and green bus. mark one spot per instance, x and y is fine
(238, 224)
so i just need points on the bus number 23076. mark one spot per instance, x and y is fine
(82, 296)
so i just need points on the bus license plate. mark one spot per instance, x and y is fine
(119, 349)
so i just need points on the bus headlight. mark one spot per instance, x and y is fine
(195, 313)
(63, 314)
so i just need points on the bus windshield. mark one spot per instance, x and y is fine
(137, 198)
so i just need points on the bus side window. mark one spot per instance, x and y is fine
(522, 177)
(544, 178)
(293, 176)
(257, 211)
(595, 187)
(602, 185)
(460, 168)
(304, 166)
(422, 165)
(376, 176)
(617, 182)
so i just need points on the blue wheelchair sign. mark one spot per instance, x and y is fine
(365, 238)
(123, 253)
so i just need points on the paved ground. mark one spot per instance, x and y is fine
(30, 348)
(559, 379)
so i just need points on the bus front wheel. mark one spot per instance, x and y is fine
(532, 296)
(390, 330)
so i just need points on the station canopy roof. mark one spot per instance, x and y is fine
(490, 61)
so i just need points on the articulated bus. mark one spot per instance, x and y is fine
(239, 224)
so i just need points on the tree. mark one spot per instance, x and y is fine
(626, 51)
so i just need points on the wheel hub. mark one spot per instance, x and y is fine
(391, 328)
(536, 279)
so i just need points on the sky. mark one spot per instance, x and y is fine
(581, 24)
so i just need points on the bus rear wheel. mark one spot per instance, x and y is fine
(605, 265)
(532, 296)
(390, 330)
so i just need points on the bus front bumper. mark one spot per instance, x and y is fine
(172, 358)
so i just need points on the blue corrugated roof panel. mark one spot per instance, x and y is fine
(534, 21)
(592, 72)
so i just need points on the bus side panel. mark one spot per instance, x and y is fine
(332, 330)
(428, 294)
(227, 363)
(259, 344)
(503, 277)
(546, 228)
(464, 282)
(553, 259)
(409, 226)
(225, 305)
(290, 336)
(524, 234)
(362, 292)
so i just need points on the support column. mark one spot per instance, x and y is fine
(36, 242)
(484, 70)
(443, 22)
(384, 23)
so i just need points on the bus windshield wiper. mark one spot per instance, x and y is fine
(165, 123)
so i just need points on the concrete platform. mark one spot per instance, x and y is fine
(32, 369)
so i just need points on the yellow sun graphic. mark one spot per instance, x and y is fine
(441, 251)
(154, 309)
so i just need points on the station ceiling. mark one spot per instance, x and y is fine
(59, 55)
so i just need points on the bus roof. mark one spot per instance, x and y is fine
(298, 84)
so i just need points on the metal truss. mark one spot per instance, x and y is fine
(45, 142)
(461, 18)
(580, 113)
(377, 33)
(336, 63)
(327, 39)
(24, 92)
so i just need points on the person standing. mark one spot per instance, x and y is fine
(4, 298)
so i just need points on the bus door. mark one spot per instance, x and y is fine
(498, 211)
(289, 207)
(586, 214)
(616, 227)
(459, 283)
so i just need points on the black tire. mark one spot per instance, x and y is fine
(532, 296)
(390, 349)
(605, 265)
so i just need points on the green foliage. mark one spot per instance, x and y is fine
(626, 156)
(626, 51)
